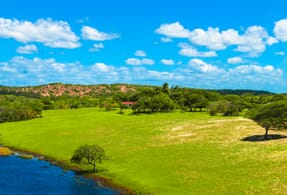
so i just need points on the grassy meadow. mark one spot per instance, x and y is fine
(172, 153)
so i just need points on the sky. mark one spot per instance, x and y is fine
(199, 44)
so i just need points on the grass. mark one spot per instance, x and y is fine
(172, 153)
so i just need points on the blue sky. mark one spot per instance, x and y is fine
(200, 44)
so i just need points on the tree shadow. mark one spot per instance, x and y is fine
(260, 138)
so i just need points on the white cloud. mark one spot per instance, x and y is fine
(280, 30)
(167, 62)
(59, 67)
(280, 53)
(213, 38)
(5, 67)
(133, 61)
(55, 34)
(102, 67)
(137, 62)
(97, 47)
(252, 41)
(27, 49)
(204, 67)
(197, 73)
(255, 70)
(35, 71)
(166, 40)
(188, 50)
(140, 53)
(173, 30)
(235, 60)
(271, 41)
(90, 33)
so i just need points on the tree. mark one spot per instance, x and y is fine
(271, 115)
(165, 88)
(89, 154)
(227, 108)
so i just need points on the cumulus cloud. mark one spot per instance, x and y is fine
(144, 75)
(271, 41)
(55, 34)
(58, 67)
(97, 47)
(280, 30)
(188, 50)
(252, 41)
(89, 33)
(35, 71)
(27, 49)
(173, 30)
(166, 40)
(167, 61)
(235, 60)
(204, 67)
(255, 70)
(140, 53)
(213, 38)
(137, 62)
(102, 67)
(197, 73)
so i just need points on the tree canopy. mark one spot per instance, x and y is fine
(271, 115)
(89, 154)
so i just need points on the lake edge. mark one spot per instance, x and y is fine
(99, 180)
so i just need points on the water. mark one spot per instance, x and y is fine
(22, 176)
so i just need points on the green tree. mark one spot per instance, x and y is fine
(224, 107)
(271, 115)
(89, 154)
(161, 103)
(165, 88)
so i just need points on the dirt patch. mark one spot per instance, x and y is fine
(228, 120)
(185, 135)
(177, 128)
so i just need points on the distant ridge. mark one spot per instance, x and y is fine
(60, 89)
(242, 91)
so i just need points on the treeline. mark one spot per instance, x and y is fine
(143, 99)
(166, 99)
(14, 108)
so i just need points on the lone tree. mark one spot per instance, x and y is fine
(272, 115)
(89, 154)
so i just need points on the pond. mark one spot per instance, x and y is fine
(22, 176)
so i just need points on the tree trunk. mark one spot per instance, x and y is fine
(266, 132)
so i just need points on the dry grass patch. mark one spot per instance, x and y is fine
(5, 151)
(228, 131)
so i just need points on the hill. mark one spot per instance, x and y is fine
(60, 89)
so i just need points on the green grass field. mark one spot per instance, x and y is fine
(173, 153)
